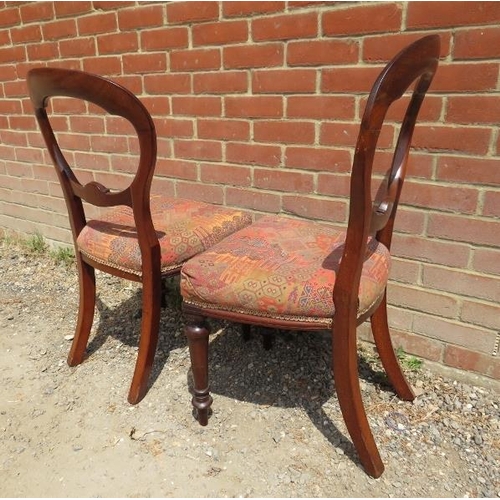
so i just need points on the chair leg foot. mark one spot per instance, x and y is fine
(197, 332)
(381, 334)
(86, 311)
(246, 331)
(267, 338)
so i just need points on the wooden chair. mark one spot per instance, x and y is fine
(304, 275)
(141, 238)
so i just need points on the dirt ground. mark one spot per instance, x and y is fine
(276, 430)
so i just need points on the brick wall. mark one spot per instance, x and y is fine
(257, 105)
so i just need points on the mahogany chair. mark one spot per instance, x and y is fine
(302, 275)
(141, 238)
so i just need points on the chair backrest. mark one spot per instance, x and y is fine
(45, 83)
(417, 64)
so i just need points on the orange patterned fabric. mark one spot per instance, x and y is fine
(184, 228)
(280, 267)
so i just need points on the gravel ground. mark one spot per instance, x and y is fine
(276, 428)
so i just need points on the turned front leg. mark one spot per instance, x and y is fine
(197, 332)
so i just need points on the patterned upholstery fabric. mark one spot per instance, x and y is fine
(184, 228)
(280, 268)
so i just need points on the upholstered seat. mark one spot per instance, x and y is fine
(281, 268)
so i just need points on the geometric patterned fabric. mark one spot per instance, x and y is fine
(279, 267)
(184, 228)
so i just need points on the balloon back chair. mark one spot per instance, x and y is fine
(141, 237)
(298, 274)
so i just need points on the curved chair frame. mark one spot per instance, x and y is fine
(416, 63)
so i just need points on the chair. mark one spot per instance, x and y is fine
(302, 275)
(141, 238)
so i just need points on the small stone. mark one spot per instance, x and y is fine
(69, 337)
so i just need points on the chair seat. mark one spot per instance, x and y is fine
(280, 268)
(184, 228)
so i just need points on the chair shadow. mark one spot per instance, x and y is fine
(296, 373)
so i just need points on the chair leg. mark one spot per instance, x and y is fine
(345, 372)
(246, 331)
(86, 310)
(150, 325)
(197, 332)
(380, 330)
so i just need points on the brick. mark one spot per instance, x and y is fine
(323, 209)
(356, 20)
(253, 107)
(225, 174)
(39, 11)
(238, 9)
(201, 192)
(355, 79)
(491, 205)
(346, 134)
(98, 23)
(410, 221)
(430, 110)
(198, 150)
(165, 38)
(333, 184)
(187, 12)
(141, 17)
(145, 63)
(404, 271)
(168, 84)
(254, 200)
(15, 54)
(224, 82)
(65, 9)
(234, 130)
(283, 81)
(481, 313)
(108, 144)
(466, 359)
(157, 105)
(445, 138)
(17, 169)
(220, 33)
(111, 65)
(34, 186)
(468, 170)
(283, 180)
(253, 154)
(483, 43)
(90, 161)
(454, 254)
(14, 138)
(486, 260)
(176, 168)
(86, 124)
(321, 107)
(321, 52)
(285, 27)
(10, 17)
(253, 56)
(465, 77)
(196, 106)
(285, 132)
(322, 159)
(443, 14)
(197, 59)
(473, 109)
(111, 4)
(77, 47)
(117, 43)
(56, 30)
(25, 34)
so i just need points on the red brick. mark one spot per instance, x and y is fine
(483, 43)
(468, 170)
(491, 204)
(10, 17)
(466, 359)
(321, 107)
(167, 84)
(145, 63)
(23, 170)
(34, 186)
(286, 132)
(253, 106)
(220, 33)
(172, 127)
(253, 56)
(323, 159)
(430, 110)
(64, 9)
(225, 174)
(186, 12)
(90, 161)
(480, 313)
(465, 77)
(254, 200)
(473, 109)
(237, 9)
(98, 23)
(86, 124)
(24, 34)
(77, 47)
(201, 192)
(165, 38)
(141, 17)
(14, 138)
(111, 4)
(176, 168)
(355, 79)
(404, 271)
(15, 54)
(285, 27)
(235, 130)
(486, 260)
(198, 150)
(103, 65)
(196, 106)
(224, 82)
(117, 43)
(333, 184)
(253, 154)
(283, 81)
(321, 52)
(106, 144)
(59, 29)
(323, 209)
(443, 14)
(362, 19)
(446, 138)
(198, 59)
(157, 105)
(283, 180)
(38, 11)
(346, 134)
